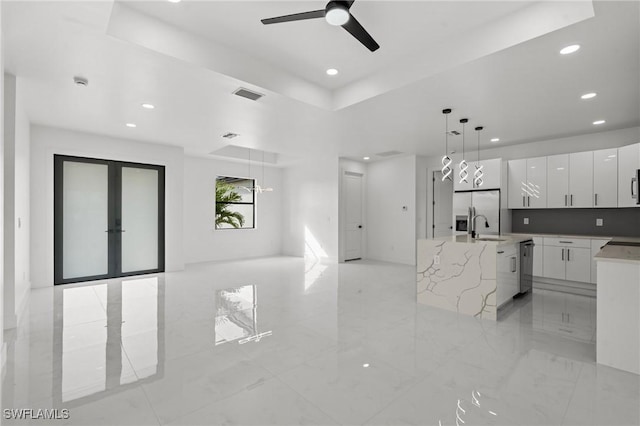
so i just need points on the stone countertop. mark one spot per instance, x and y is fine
(624, 254)
(498, 240)
(586, 237)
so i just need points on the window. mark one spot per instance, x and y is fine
(235, 203)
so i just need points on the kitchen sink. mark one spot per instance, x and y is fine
(489, 239)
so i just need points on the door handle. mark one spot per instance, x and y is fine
(596, 200)
(563, 254)
(568, 255)
(571, 198)
(565, 200)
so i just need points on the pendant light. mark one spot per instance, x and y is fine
(478, 173)
(463, 164)
(446, 160)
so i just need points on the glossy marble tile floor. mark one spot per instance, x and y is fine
(284, 341)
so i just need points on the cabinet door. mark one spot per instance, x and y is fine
(554, 262)
(596, 245)
(558, 181)
(463, 186)
(537, 182)
(517, 171)
(605, 178)
(492, 173)
(506, 275)
(578, 262)
(538, 251)
(581, 179)
(628, 163)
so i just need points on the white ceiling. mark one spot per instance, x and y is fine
(520, 91)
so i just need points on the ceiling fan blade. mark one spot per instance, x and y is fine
(349, 3)
(355, 29)
(295, 17)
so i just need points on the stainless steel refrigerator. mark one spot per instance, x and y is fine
(470, 203)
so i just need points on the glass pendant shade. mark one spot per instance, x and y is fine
(447, 171)
(463, 173)
(478, 174)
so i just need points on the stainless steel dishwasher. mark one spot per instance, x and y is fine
(526, 266)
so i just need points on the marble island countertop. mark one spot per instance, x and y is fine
(498, 240)
(619, 253)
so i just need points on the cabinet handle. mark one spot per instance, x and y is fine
(633, 180)
(568, 255)
(566, 242)
(523, 200)
(513, 264)
(501, 251)
(563, 254)
(596, 201)
(528, 201)
(571, 198)
(565, 200)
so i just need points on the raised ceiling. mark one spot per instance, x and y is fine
(188, 58)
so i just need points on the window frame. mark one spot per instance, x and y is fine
(252, 203)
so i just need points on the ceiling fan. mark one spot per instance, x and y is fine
(336, 13)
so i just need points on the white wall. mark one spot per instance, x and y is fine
(391, 231)
(16, 214)
(47, 141)
(346, 165)
(202, 242)
(310, 217)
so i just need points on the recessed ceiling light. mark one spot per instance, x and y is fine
(589, 95)
(366, 365)
(148, 106)
(131, 125)
(598, 122)
(174, 1)
(332, 71)
(495, 140)
(366, 158)
(570, 49)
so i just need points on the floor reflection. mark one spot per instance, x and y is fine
(236, 316)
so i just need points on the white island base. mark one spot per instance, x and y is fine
(618, 314)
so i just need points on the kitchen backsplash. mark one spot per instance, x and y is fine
(616, 222)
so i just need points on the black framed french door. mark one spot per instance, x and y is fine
(108, 219)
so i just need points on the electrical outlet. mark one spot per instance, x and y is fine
(436, 260)
(526, 220)
(599, 222)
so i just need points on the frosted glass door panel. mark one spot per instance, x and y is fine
(139, 219)
(85, 221)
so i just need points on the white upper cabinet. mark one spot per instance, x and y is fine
(528, 183)
(492, 172)
(605, 178)
(517, 172)
(581, 179)
(628, 164)
(558, 181)
(537, 182)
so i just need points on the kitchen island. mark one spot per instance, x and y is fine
(466, 275)
(618, 305)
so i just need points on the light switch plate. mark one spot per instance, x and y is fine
(526, 220)
(599, 222)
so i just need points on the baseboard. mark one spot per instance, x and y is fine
(571, 287)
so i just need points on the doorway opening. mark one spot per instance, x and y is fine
(108, 219)
(352, 186)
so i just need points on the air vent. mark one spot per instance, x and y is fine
(453, 133)
(230, 135)
(246, 93)
(388, 153)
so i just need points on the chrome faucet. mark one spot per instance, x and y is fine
(475, 234)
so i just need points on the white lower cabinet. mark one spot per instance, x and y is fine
(538, 253)
(507, 274)
(567, 259)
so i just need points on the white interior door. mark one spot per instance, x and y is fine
(442, 206)
(353, 214)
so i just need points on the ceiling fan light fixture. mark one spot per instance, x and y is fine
(336, 15)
